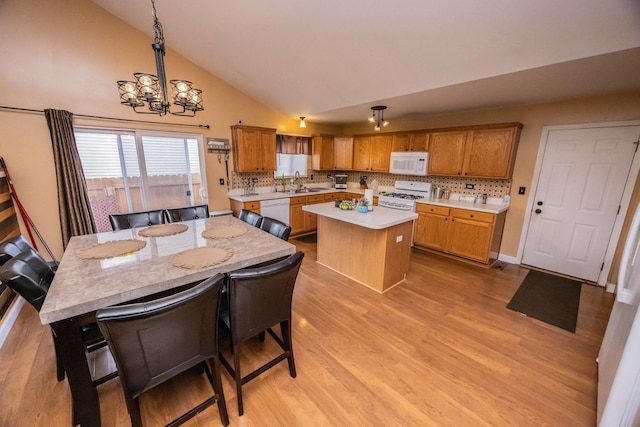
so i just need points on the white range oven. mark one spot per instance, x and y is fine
(404, 195)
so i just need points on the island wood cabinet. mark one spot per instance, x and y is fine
(372, 153)
(464, 233)
(476, 153)
(410, 142)
(323, 152)
(254, 148)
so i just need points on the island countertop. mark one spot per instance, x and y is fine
(377, 219)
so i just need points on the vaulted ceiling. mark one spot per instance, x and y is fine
(331, 60)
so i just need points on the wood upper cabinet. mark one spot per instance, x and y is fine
(323, 152)
(343, 153)
(446, 153)
(410, 141)
(361, 152)
(380, 153)
(254, 148)
(491, 153)
(477, 152)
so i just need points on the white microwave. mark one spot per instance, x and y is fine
(409, 163)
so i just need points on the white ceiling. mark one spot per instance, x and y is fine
(331, 60)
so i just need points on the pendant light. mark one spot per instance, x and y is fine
(302, 123)
(377, 117)
(151, 90)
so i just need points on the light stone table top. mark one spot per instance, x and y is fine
(83, 286)
(377, 219)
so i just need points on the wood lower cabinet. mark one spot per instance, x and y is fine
(468, 234)
(431, 227)
(237, 206)
(305, 222)
(296, 214)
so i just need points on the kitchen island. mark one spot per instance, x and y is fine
(371, 248)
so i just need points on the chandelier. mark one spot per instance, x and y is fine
(151, 90)
(378, 117)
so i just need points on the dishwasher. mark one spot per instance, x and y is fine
(276, 208)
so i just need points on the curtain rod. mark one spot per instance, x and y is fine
(84, 116)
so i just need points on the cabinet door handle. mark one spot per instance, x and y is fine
(470, 216)
(538, 211)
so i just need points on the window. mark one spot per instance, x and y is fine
(292, 155)
(130, 171)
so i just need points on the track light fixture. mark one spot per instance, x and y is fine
(151, 90)
(377, 117)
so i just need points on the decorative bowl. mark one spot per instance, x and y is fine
(363, 209)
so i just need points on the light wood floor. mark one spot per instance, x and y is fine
(441, 349)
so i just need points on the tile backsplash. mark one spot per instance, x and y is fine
(492, 187)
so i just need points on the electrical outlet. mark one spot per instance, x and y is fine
(311, 177)
(469, 186)
(521, 190)
(221, 181)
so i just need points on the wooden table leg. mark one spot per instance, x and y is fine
(86, 406)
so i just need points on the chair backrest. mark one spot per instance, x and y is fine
(187, 213)
(12, 247)
(275, 227)
(136, 219)
(261, 297)
(28, 275)
(156, 340)
(250, 217)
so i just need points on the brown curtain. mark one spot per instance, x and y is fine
(76, 218)
(290, 144)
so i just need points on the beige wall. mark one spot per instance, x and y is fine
(68, 54)
(607, 108)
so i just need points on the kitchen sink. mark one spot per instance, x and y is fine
(309, 190)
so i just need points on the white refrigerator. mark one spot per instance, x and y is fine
(619, 357)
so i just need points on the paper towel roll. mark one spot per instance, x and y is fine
(368, 194)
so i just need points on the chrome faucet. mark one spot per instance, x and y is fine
(298, 181)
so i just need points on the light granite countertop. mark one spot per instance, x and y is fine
(494, 208)
(82, 286)
(493, 205)
(377, 219)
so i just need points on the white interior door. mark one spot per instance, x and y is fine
(579, 190)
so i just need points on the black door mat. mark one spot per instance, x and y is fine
(308, 238)
(552, 299)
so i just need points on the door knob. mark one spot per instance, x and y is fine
(538, 211)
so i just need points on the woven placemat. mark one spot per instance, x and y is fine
(225, 232)
(162, 230)
(111, 249)
(201, 257)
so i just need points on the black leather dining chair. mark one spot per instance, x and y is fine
(187, 213)
(156, 340)
(16, 245)
(257, 300)
(250, 217)
(136, 219)
(30, 277)
(276, 228)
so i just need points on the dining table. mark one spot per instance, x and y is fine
(87, 280)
